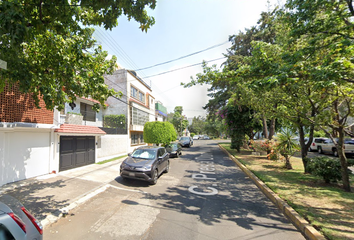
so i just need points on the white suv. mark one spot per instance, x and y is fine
(329, 147)
(316, 142)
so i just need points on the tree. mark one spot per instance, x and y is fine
(287, 146)
(197, 126)
(159, 132)
(50, 51)
(178, 120)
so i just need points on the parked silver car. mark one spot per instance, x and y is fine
(329, 147)
(16, 222)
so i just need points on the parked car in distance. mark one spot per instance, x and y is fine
(328, 147)
(146, 163)
(206, 137)
(186, 141)
(195, 137)
(174, 149)
(16, 222)
(315, 143)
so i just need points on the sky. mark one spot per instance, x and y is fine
(181, 27)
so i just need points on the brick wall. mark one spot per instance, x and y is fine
(17, 107)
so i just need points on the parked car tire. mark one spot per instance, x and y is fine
(320, 150)
(310, 149)
(335, 152)
(168, 166)
(154, 177)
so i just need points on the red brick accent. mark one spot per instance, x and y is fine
(18, 107)
(72, 128)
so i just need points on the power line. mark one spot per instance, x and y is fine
(191, 54)
(184, 67)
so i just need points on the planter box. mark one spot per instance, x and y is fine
(73, 119)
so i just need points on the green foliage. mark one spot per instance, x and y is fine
(114, 121)
(159, 132)
(320, 133)
(74, 113)
(287, 145)
(327, 168)
(50, 51)
(198, 125)
(192, 134)
(178, 121)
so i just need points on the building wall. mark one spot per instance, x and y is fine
(18, 107)
(110, 145)
(24, 154)
(99, 116)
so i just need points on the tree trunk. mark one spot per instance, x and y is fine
(271, 129)
(343, 160)
(287, 163)
(305, 147)
(265, 127)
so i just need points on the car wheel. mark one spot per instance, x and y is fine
(320, 150)
(310, 149)
(168, 167)
(154, 177)
(335, 152)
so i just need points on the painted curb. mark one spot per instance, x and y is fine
(300, 223)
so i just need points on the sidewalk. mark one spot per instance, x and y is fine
(49, 196)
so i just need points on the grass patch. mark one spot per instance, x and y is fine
(110, 160)
(326, 206)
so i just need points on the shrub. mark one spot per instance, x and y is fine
(263, 146)
(192, 134)
(114, 121)
(327, 168)
(159, 132)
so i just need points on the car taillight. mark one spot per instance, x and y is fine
(35, 222)
(313, 144)
(18, 221)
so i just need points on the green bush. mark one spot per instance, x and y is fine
(114, 121)
(192, 134)
(159, 132)
(327, 168)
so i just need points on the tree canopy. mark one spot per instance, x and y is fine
(50, 51)
(294, 67)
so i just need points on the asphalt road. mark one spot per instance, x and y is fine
(204, 196)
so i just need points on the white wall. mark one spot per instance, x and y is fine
(111, 145)
(99, 117)
(24, 154)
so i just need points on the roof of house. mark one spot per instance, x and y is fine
(80, 129)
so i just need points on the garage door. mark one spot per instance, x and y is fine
(76, 152)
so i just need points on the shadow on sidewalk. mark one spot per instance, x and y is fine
(39, 199)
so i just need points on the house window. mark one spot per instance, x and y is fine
(135, 138)
(138, 117)
(142, 97)
(87, 112)
(134, 92)
(138, 95)
(141, 138)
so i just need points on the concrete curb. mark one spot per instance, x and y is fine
(300, 223)
(55, 216)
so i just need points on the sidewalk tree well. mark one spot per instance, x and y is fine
(159, 133)
(50, 51)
